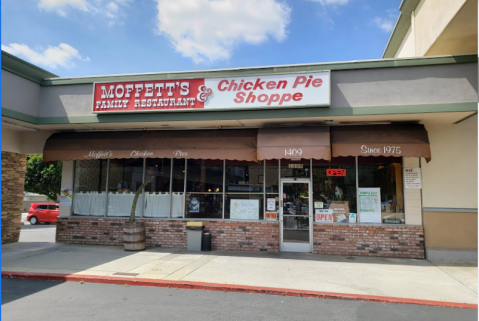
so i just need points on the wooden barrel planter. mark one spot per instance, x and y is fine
(134, 236)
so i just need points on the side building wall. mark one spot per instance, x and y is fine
(13, 178)
(450, 192)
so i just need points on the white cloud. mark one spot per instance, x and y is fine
(331, 2)
(206, 30)
(387, 24)
(111, 10)
(61, 5)
(64, 55)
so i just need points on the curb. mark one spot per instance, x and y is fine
(228, 288)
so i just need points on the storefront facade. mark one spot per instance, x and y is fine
(322, 158)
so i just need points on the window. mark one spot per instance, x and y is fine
(334, 190)
(386, 174)
(89, 191)
(157, 192)
(244, 189)
(204, 187)
(272, 187)
(299, 168)
(125, 177)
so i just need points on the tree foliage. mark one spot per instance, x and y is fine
(43, 178)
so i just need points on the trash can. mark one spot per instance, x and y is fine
(206, 242)
(194, 231)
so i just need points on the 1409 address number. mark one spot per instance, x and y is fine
(293, 152)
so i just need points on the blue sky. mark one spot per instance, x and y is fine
(97, 37)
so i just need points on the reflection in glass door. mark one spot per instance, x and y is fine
(295, 216)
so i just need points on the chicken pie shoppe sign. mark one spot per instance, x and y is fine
(291, 90)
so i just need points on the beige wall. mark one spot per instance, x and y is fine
(407, 48)
(430, 19)
(24, 142)
(450, 179)
(450, 230)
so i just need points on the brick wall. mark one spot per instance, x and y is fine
(384, 241)
(252, 236)
(13, 178)
(249, 236)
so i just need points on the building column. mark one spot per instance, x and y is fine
(13, 178)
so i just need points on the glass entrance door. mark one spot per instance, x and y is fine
(296, 218)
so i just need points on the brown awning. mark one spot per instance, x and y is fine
(195, 144)
(294, 142)
(409, 140)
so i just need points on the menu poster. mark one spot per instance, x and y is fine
(270, 204)
(66, 196)
(412, 178)
(194, 205)
(341, 210)
(369, 205)
(242, 209)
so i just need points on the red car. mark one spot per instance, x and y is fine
(43, 213)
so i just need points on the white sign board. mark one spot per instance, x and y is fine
(323, 216)
(244, 209)
(369, 205)
(271, 204)
(66, 196)
(318, 205)
(273, 91)
(412, 178)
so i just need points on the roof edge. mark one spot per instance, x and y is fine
(267, 70)
(400, 28)
(24, 69)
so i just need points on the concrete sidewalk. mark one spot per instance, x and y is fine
(354, 276)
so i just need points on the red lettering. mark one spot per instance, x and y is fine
(258, 84)
(299, 80)
(273, 98)
(250, 97)
(270, 84)
(285, 97)
(297, 96)
(262, 98)
(308, 82)
(226, 82)
(239, 97)
(282, 84)
(241, 84)
(317, 82)
(233, 86)
(249, 84)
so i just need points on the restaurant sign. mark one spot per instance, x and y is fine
(257, 92)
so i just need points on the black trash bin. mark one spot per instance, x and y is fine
(206, 241)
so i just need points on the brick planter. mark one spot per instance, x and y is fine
(225, 235)
(384, 241)
(362, 240)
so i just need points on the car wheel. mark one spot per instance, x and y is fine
(33, 220)
(47, 223)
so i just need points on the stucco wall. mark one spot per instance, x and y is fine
(450, 230)
(349, 88)
(24, 142)
(431, 17)
(407, 47)
(450, 179)
(19, 94)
